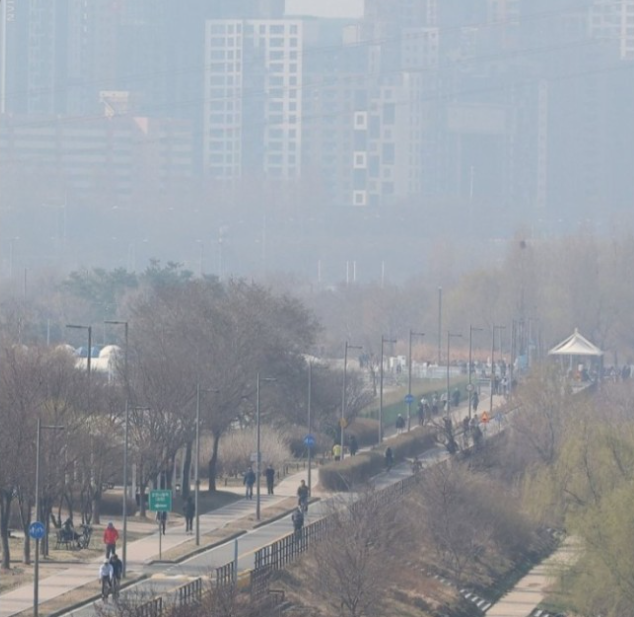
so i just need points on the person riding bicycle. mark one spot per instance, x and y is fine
(302, 496)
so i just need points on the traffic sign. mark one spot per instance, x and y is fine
(161, 501)
(254, 457)
(36, 530)
(309, 440)
(409, 399)
(470, 387)
(343, 423)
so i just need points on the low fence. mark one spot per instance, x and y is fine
(226, 575)
(152, 608)
(190, 593)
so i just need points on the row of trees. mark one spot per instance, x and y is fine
(191, 341)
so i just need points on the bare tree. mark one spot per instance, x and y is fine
(353, 560)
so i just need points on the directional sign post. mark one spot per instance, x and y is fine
(36, 530)
(161, 501)
(309, 441)
(409, 399)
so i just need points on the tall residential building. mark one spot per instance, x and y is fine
(253, 98)
(614, 21)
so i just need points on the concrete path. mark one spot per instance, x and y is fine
(531, 590)
(145, 550)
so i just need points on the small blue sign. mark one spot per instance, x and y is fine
(409, 399)
(36, 530)
(309, 440)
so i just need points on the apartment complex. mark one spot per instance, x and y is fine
(253, 98)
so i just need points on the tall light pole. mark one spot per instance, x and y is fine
(450, 335)
(258, 447)
(439, 325)
(470, 386)
(493, 329)
(412, 334)
(89, 329)
(196, 463)
(197, 460)
(36, 569)
(310, 423)
(383, 341)
(342, 421)
(124, 506)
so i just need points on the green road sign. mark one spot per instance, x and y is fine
(161, 501)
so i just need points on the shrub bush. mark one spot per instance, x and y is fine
(355, 470)
(365, 430)
(352, 471)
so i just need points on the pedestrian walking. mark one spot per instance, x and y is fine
(389, 458)
(475, 401)
(302, 496)
(105, 577)
(249, 481)
(400, 423)
(298, 522)
(189, 511)
(336, 452)
(110, 537)
(117, 572)
(161, 519)
(354, 445)
(269, 472)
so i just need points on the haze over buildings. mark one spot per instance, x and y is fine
(243, 134)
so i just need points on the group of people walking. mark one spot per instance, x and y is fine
(111, 570)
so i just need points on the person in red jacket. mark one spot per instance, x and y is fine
(110, 537)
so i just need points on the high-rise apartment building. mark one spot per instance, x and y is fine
(253, 98)
(614, 22)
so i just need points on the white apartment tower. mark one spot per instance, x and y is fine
(253, 98)
(613, 20)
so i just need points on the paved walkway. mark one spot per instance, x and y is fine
(140, 552)
(145, 550)
(531, 590)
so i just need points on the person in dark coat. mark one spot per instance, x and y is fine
(269, 472)
(249, 481)
(189, 511)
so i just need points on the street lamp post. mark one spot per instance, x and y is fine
(493, 329)
(470, 386)
(409, 377)
(36, 569)
(126, 429)
(88, 358)
(450, 335)
(309, 422)
(196, 464)
(342, 421)
(258, 447)
(383, 341)
(439, 324)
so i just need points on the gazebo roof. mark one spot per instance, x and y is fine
(575, 345)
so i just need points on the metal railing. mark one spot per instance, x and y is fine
(152, 608)
(190, 593)
(226, 575)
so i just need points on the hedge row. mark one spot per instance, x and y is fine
(354, 470)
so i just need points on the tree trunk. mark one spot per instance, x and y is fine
(212, 464)
(24, 504)
(5, 509)
(96, 506)
(187, 463)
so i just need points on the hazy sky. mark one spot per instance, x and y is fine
(328, 8)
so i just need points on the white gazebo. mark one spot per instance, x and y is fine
(579, 350)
